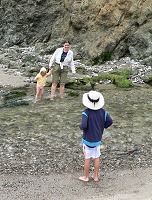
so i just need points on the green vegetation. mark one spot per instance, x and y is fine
(15, 93)
(102, 58)
(123, 72)
(119, 78)
(73, 94)
(76, 85)
(148, 80)
(15, 97)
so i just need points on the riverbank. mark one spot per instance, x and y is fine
(116, 185)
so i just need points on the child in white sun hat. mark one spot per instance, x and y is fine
(41, 81)
(94, 120)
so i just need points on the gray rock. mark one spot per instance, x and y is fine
(98, 30)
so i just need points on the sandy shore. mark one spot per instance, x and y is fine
(116, 185)
(10, 79)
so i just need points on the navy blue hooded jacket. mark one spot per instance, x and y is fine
(93, 123)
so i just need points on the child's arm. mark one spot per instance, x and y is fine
(49, 72)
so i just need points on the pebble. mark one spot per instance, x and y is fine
(36, 142)
(140, 71)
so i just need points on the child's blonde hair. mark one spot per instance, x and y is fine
(43, 69)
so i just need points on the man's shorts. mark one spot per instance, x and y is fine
(59, 75)
(91, 152)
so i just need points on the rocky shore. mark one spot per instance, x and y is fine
(24, 63)
(40, 143)
(26, 166)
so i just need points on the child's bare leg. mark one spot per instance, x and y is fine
(42, 92)
(96, 169)
(86, 170)
(37, 93)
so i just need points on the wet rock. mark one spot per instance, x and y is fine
(36, 142)
(15, 97)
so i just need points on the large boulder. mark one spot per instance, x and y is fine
(98, 29)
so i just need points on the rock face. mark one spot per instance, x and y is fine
(98, 29)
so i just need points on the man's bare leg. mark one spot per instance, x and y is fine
(61, 91)
(53, 89)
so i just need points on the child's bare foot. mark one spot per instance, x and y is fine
(96, 179)
(83, 178)
(35, 100)
(61, 96)
(51, 98)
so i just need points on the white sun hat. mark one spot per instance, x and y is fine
(93, 100)
(43, 69)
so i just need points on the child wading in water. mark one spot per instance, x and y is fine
(94, 120)
(41, 81)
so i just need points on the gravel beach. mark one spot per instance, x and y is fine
(124, 184)
(116, 185)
